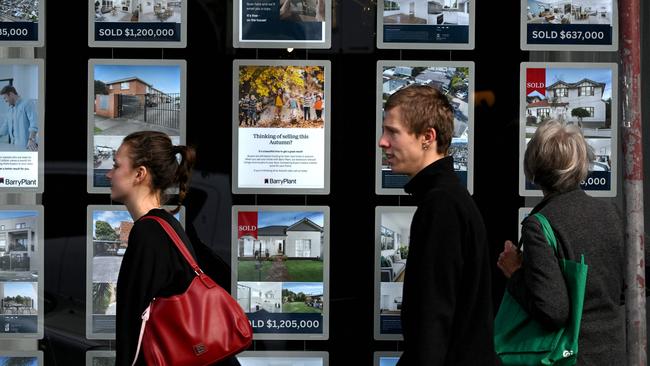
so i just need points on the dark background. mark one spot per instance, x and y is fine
(352, 201)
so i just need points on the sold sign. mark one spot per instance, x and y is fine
(536, 81)
(247, 224)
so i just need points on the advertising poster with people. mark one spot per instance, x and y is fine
(282, 23)
(392, 230)
(21, 23)
(280, 264)
(283, 358)
(107, 240)
(569, 25)
(455, 79)
(281, 127)
(580, 94)
(137, 23)
(425, 24)
(21, 277)
(126, 96)
(21, 125)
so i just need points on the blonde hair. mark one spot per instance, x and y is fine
(557, 157)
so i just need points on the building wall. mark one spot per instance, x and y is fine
(111, 111)
(135, 88)
(314, 236)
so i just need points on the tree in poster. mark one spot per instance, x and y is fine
(102, 294)
(580, 113)
(274, 96)
(104, 231)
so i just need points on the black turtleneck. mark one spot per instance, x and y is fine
(447, 306)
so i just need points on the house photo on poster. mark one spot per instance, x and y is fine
(282, 358)
(281, 127)
(21, 358)
(127, 96)
(580, 94)
(21, 23)
(425, 24)
(141, 23)
(455, 80)
(392, 230)
(21, 125)
(386, 358)
(569, 25)
(280, 270)
(20, 272)
(282, 23)
(107, 241)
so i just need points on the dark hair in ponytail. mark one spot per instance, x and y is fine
(155, 151)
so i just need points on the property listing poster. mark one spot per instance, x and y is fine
(386, 358)
(581, 94)
(127, 96)
(392, 230)
(100, 358)
(284, 358)
(425, 24)
(569, 25)
(281, 121)
(21, 125)
(21, 22)
(282, 23)
(155, 23)
(107, 241)
(456, 81)
(21, 285)
(22, 358)
(280, 270)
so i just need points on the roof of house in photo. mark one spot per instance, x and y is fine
(563, 84)
(305, 225)
(281, 230)
(127, 79)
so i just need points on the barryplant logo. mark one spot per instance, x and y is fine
(18, 182)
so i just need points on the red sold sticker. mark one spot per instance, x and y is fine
(247, 224)
(536, 81)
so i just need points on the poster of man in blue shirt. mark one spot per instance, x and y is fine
(20, 123)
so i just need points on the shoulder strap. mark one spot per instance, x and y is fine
(548, 231)
(177, 240)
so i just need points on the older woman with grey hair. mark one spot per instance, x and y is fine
(557, 159)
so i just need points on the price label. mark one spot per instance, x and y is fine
(285, 323)
(13, 32)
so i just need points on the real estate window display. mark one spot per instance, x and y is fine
(586, 108)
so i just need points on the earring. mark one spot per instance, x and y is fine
(425, 147)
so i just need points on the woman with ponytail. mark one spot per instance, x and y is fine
(146, 166)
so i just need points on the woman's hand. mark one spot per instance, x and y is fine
(510, 259)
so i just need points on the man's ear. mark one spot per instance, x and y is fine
(429, 137)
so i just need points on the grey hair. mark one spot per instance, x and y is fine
(557, 157)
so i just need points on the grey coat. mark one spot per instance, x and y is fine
(582, 225)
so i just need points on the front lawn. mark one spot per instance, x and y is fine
(298, 307)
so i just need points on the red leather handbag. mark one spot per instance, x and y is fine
(199, 327)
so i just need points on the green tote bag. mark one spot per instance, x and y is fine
(520, 340)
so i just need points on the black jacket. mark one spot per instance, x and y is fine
(447, 314)
(152, 267)
(582, 225)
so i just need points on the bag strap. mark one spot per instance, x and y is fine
(177, 241)
(548, 231)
